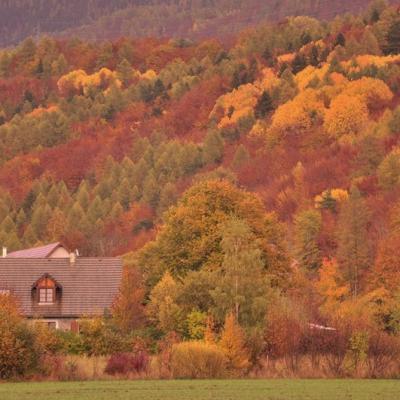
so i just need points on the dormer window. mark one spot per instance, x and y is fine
(46, 295)
(46, 291)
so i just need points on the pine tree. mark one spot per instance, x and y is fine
(125, 195)
(57, 226)
(83, 196)
(53, 197)
(8, 225)
(307, 228)
(241, 157)
(353, 246)
(95, 210)
(264, 105)
(393, 38)
(124, 72)
(299, 63)
(151, 190)
(29, 238)
(116, 211)
(340, 40)
(21, 218)
(213, 148)
(168, 197)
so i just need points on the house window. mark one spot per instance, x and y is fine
(46, 295)
(46, 291)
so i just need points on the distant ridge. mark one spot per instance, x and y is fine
(100, 19)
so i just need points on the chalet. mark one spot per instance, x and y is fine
(56, 287)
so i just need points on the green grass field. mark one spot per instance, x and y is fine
(205, 390)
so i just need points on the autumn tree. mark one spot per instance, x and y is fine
(264, 105)
(232, 344)
(162, 308)
(342, 120)
(307, 228)
(353, 247)
(213, 147)
(242, 287)
(128, 310)
(191, 237)
(18, 349)
(332, 287)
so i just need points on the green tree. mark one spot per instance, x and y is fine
(241, 157)
(162, 308)
(213, 148)
(264, 105)
(241, 284)
(393, 38)
(307, 228)
(124, 72)
(191, 236)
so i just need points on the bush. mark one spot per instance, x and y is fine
(124, 363)
(197, 360)
(19, 351)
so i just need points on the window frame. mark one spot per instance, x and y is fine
(47, 299)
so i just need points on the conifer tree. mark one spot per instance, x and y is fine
(353, 246)
(232, 344)
(213, 147)
(241, 157)
(124, 72)
(168, 197)
(95, 210)
(150, 190)
(393, 38)
(307, 228)
(125, 195)
(264, 105)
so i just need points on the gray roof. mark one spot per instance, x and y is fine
(88, 287)
(36, 252)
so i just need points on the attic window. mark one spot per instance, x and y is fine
(46, 289)
(46, 296)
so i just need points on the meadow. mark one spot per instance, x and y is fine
(205, 390)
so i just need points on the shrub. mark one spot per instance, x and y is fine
(19, 352)
(124, 363)
(197, 360)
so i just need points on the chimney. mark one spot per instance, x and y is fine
(4, 252)
(72, 258)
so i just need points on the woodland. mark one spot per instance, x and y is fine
(251, 187)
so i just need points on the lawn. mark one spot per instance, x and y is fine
(205, 390)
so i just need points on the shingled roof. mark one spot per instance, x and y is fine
(36, 252)
(89, 286)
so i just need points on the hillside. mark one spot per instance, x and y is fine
(100, 19)
(251, 185)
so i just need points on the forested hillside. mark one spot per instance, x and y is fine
(263, 175)
(101, 19)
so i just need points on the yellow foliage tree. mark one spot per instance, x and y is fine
(347, 116)
(79, 81)
(299, 114)
(232, 344)
(162, 308)
(240, 102)
(332, 287)
(372, 91)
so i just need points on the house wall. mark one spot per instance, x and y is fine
(60, 252)
(63, 324)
